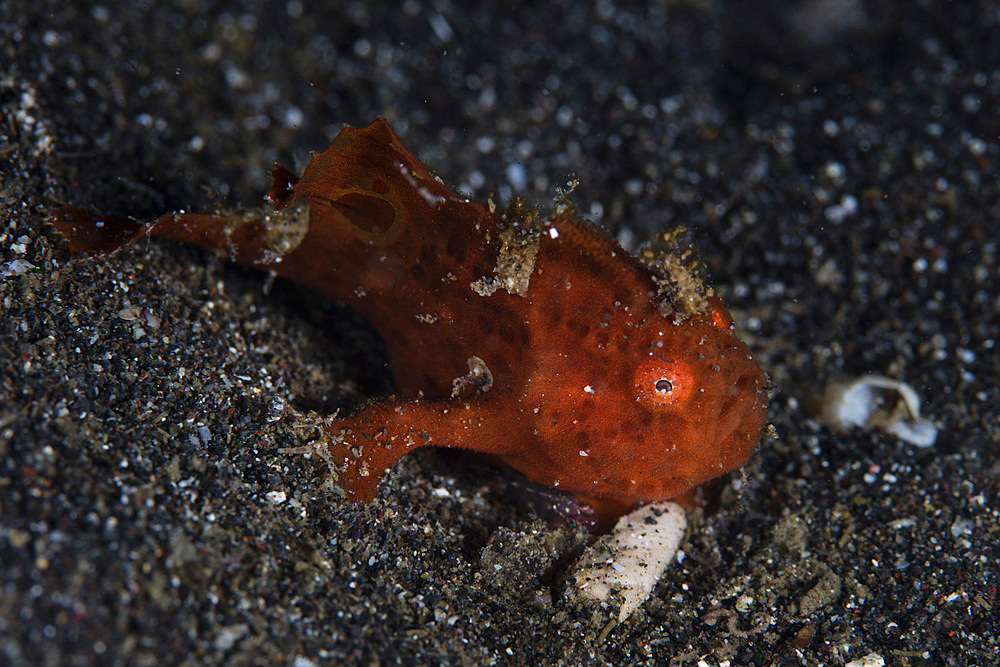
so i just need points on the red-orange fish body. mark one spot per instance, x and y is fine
(536, 340)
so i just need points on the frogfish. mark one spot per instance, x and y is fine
(533, 338)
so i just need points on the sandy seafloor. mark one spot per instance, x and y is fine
(836, 161)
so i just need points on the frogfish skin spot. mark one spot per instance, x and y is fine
(527, 337)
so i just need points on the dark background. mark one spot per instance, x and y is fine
(835, 160)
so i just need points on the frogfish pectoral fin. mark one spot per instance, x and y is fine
(360, 449)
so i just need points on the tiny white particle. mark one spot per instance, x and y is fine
(516, 176)
(583, 453)
(442, 29)
(553, 232)
(16, 267)
(589, 390)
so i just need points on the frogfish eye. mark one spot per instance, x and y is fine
(664, 381)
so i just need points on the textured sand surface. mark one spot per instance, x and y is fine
(836, 161)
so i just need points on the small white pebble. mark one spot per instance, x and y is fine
(870, 660)
(16, 267)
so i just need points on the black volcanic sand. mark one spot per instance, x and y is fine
(836, 162)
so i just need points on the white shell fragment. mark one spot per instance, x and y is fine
(870, 660)
(16, 267)
(631, 559)
(873, 401)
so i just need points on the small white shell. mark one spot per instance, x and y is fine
(873, 401)
(632, 557)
